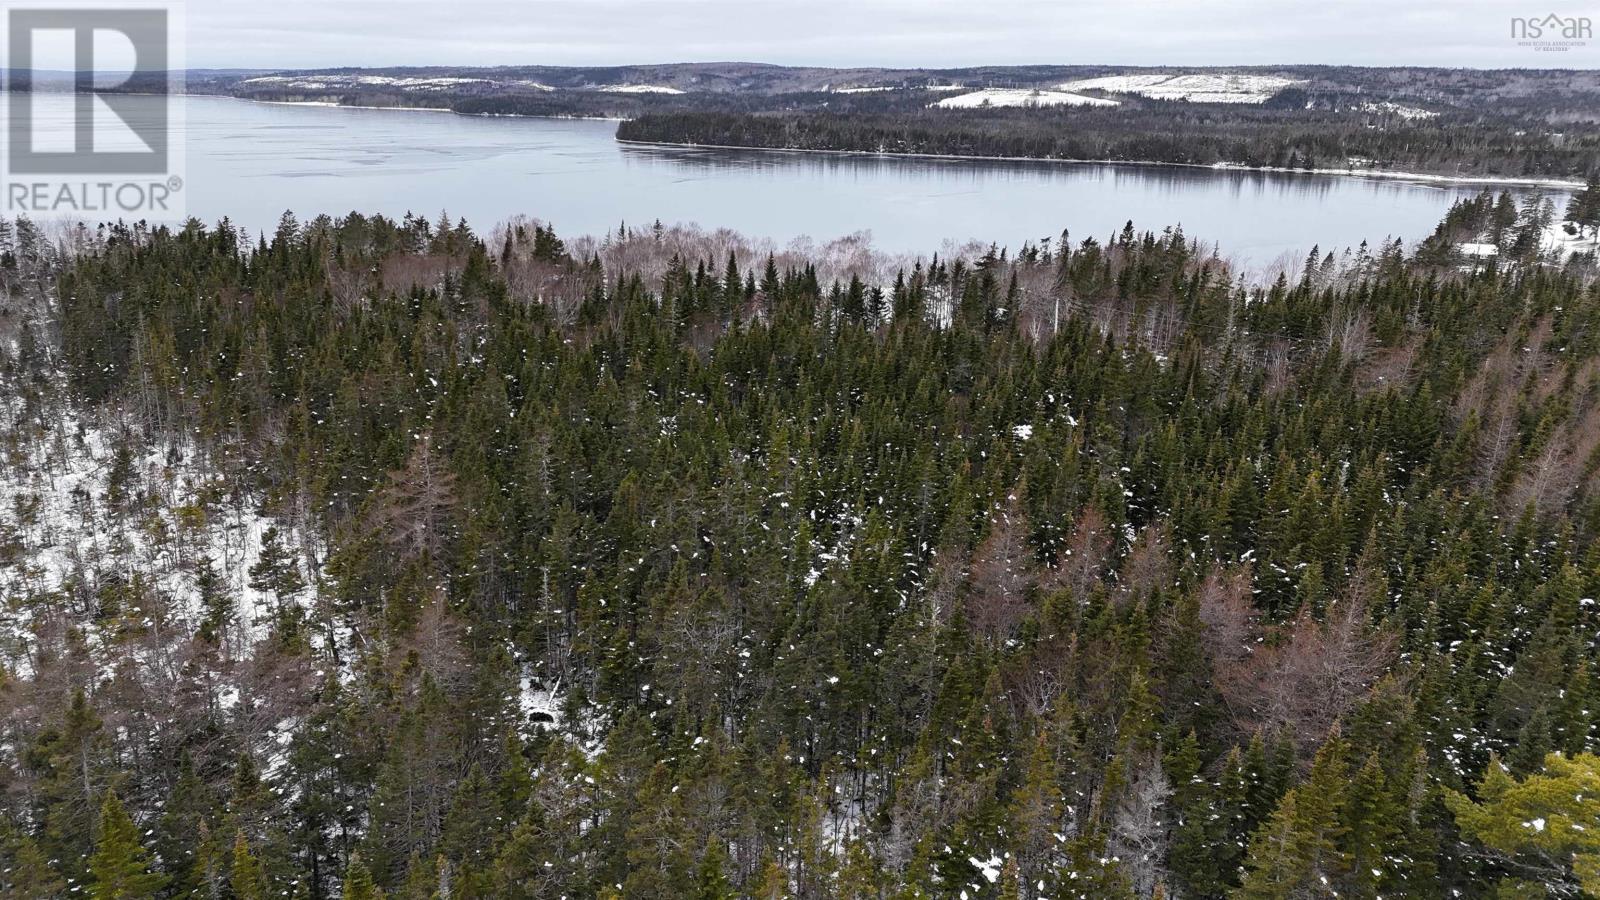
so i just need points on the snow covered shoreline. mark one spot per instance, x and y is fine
(1553, 183)
(1559, 183)
(326, 104)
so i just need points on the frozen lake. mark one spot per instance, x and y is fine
(251, 162)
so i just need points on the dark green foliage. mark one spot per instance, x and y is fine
(737, 583)
(1295, 137)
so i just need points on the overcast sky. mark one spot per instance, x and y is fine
(311, 33)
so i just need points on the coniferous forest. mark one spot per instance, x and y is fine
(395, 559)
(1287, 137)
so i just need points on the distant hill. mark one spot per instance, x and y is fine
(1546, 94)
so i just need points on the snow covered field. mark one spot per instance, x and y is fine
(639, 89)
(1019, 97)
(1408, 113)
(1195, 88)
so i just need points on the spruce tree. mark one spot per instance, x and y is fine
(246, 879)
(31, 877)
(122, 868)
(358, 883)
(1300, 846)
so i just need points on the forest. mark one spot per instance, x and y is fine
(1167, 132)
(394, 559)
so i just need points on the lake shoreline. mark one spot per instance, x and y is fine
(1558, 184)
(575, 172)
(1380, 174)
(320, 104)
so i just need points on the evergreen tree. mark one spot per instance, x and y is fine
(358, 883)
(246, 878)
(121, 866)
(1541, 823)
(1299, 847)
(31, 877)
(713, 879)
(1583, 210)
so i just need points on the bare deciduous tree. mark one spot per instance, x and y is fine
(1084, 558)
(414, 509)
(1305, 675)
(1002, 574)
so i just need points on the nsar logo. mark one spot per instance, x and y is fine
(1552, 32)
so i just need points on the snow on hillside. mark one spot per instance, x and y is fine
(328, 82)
(640, 89)
(1560, 241)
(1408, 113)
(335, 82)
(1195, 88)
(882, 88)
(79, 515)
(1019, 97)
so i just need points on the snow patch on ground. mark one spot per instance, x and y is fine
(990, 868)
(1557, 240)
(1195, 88)
(544, 708)
(67, 525)
(1557, 243)
(993, 97)
(541, 704)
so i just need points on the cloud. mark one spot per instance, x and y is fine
(933, 33)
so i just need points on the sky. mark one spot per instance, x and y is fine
(896, 33)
